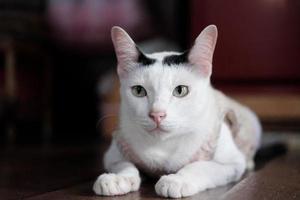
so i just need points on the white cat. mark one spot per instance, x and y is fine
(174, 124)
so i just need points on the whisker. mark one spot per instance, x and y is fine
(103, 118)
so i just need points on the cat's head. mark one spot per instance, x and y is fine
(164, 93)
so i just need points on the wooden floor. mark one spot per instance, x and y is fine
(67, 172)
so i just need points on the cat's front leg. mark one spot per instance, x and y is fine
(176, 186)
(118, 183)
(123, 176)
(197, 177)
(228, 165)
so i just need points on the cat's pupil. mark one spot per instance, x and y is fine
(179, 89)
(139, 89)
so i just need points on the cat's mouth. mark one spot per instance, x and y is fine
(157, 129)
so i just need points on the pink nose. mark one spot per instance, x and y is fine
(157, 116)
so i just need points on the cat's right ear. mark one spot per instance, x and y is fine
(125, 48)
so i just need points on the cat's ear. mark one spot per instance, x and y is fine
(201, 54)
(125, 49)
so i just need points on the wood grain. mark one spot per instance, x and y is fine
(28, 171)
(279, 179)
(68, 172)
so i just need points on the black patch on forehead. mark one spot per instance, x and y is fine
(144, 60)
(176, 59)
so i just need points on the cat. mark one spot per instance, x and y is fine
(173, 124)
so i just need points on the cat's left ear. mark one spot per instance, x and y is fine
(125, 49)
(201, 54)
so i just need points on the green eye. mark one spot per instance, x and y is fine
(138, 91)
(181, 91)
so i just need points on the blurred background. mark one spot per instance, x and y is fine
(58, 79)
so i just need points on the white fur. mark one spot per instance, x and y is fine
(227, 165)
(189, 124)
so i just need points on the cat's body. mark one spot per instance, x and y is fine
(173, 123)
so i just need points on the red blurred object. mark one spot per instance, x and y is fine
(258, 40)
(88, 22)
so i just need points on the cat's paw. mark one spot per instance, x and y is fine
(175, 186)
(113, 184)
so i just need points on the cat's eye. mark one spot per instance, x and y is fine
(138, 91)
(181, 91)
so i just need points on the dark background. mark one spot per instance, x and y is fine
(55, 54)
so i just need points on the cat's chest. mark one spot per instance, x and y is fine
(166, 158)
(162, 155)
